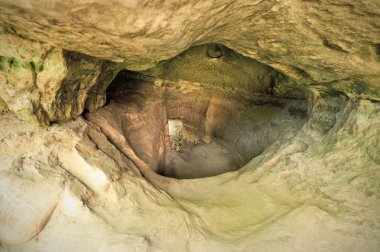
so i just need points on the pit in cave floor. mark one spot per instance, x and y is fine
(186, 130)
(186, 158)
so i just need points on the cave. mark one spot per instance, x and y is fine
(189, 125)
(226, 114)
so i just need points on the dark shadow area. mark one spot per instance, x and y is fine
(187, 129)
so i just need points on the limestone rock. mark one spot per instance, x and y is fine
(312, 41)
(321, 185)
(82, 87)
(313, 185)
(42, 84)
(20, 59)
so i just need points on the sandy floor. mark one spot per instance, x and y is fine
(201, 160)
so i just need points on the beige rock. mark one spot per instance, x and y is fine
(312, 186)
(312, 41)
(42, 84)
(49, 79)
(18, 58)
(318, 43)
(316, 191)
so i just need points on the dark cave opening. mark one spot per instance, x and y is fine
(189, 129)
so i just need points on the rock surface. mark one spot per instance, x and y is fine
(318, 191)
(245, 123)
(43, 84)
(322, 43)
(85, 186)
(313, 41)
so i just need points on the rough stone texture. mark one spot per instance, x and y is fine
(138, 112)
(138, 120)
(82, 88)
(321, 44)
(228, 71)
(320, 41)
(34, 184)
(43, 84)
(73, 186)
(317, 191)
(19, 61)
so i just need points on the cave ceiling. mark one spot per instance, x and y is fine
(190, 125)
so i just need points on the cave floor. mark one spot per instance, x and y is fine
(201, 160)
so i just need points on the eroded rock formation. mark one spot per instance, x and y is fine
(288, 88)
(244, 120)
(43, 84)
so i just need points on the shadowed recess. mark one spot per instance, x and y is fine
(207, 111)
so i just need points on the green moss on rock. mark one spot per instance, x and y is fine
(3, 64)
(11, 63)
(14, 63)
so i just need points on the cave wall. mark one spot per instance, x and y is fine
(245, 122)
(331, 42)
(318, 191)
(43, 84)
(320, 44)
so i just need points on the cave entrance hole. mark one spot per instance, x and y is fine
(187, 129)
